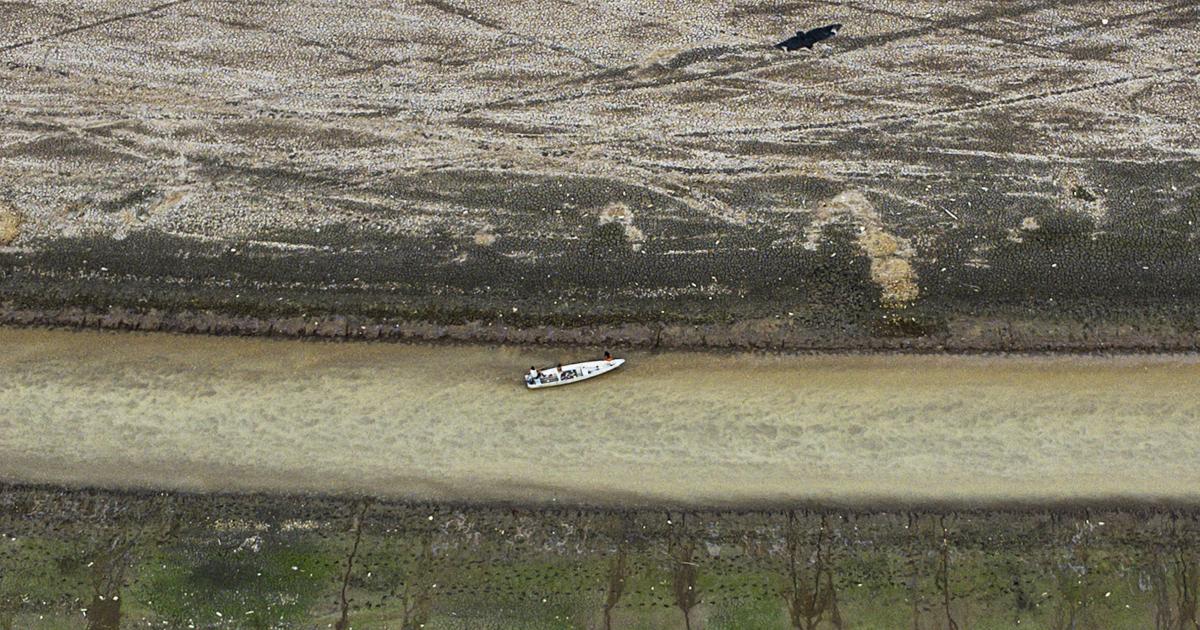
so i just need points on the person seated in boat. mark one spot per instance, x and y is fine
(607, 356)
(533, 377)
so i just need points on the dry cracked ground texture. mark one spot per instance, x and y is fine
(936, 169)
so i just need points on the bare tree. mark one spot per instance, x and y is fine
(1187, 582)
(1177, 576)
(416, 593)
(356, 526)
(810, 593)
(684, 570)
(618, 572)
(10, 603)
(114, 533)
(107, 577)
(943, 575)
(1071, 571)
(916, 561)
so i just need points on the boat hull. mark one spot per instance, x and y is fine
(575, 373)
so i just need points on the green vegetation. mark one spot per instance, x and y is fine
(257, 585)
(70, 560)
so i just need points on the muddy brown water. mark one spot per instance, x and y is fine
(455, 423)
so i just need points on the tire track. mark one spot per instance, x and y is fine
(965, 29)
(852, 44)
(1117, 19)
(1003, 10)
(83, 27)
(944, 111)
(607, 72)
(457, 11)
(523, 101)
(304, 40)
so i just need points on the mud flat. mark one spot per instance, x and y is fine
(989, 175)
(454, 423)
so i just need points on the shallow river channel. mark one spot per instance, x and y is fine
(455, 423)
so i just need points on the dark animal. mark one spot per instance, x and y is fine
(806, 39)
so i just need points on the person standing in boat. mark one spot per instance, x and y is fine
(533, 377)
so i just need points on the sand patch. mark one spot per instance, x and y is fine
(620, 213)
(890, 255)
(1080, 196)
(897, 279)
(616, 213)
(484, 238)
(169, 202)
(1028, 224)
(10, 224)
(879, 244)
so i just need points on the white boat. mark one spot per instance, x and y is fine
(573, 373)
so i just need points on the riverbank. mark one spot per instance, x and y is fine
(1005, 331)
(449, 423)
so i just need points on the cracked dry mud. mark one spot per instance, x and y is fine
(1023, 175)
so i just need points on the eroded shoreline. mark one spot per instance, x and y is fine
(968, 335)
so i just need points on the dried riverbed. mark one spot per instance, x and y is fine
(454, 423)
(997, 175)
